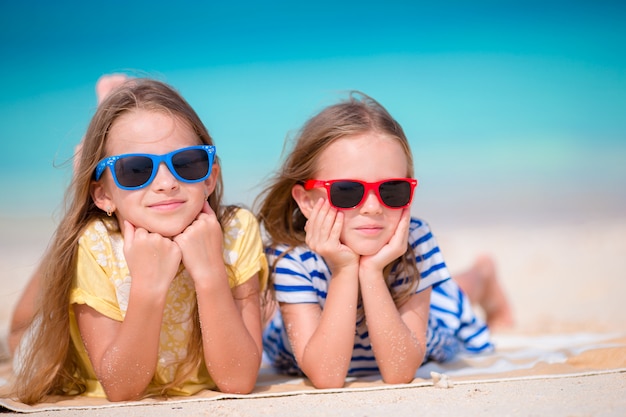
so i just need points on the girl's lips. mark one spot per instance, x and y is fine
(369, 229)
(167, 205)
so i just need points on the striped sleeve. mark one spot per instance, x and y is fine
(300, 276)
(429, 259)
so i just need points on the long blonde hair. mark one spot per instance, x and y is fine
(279, 214)
(50, 365)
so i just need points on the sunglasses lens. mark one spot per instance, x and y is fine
(191, 164)
(395, 193)
(133, 171)
(346, 194)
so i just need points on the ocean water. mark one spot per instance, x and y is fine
(514, 112)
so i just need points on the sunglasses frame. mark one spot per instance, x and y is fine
(156, 163)
(368, 186)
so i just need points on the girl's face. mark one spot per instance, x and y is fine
(367, 157)
(165, 206)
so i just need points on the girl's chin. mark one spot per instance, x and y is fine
(168, 233)
(364, 245)
(365, 250)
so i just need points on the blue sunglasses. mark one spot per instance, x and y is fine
(136, 170)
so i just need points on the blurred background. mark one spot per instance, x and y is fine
(516, 110)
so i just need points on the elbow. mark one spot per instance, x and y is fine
(398, 379)
(244, 384)
(122, 396)
(239, 387)
(237, 381)
(328, 384)
(326, 375)
(327, 381)
(403, 371)
(116, 391)
(405, 376)
(117, 399)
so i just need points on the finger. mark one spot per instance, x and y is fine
(401, 235)
(312, 226)
(326, 220)
(405, 220)
(128, 232)
(206, 208)
(337, 226)
(312, 223)
(324, 229)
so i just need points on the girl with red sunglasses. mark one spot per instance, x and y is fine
(362, 286)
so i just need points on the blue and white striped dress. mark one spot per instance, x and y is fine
(302, 276)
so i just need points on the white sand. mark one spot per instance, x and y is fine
(561, 276)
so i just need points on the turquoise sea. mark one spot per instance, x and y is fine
(515, 110)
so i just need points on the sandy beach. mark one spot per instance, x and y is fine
(561, 276)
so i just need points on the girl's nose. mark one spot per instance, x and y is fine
(164, 180)
(371, 204)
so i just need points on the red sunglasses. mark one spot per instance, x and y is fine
(393, 193)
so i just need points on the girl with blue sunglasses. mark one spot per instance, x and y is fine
(361, 285)
(150, 285)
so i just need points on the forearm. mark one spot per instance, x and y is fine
(327, 355)
(125, 367)
(231, 333)
(24, 311)
(397, 349)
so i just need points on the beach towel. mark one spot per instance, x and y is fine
(517, 357)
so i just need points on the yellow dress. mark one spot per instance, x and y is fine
(103, 283)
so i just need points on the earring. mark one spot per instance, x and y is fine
(206, 194)
(109, 212)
